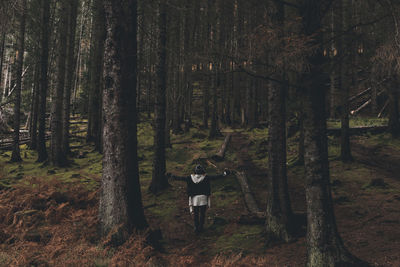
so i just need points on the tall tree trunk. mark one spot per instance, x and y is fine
(206, 107)
(44, 61)
(159, 180)
(344, 45)
(214, 129)
(73, 7)
(121, 209)
(96, 69)
(325, 247)
(15, 156)
(57, 154)
(279, 216)
(35, 108)
(2, 47)
(300, 157)
(394, 123)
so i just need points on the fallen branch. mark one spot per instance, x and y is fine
(221, 153)
(359, 94)
(383, 109)
(354, 112)
(249, 199)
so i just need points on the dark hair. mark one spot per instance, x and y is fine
(199, 169)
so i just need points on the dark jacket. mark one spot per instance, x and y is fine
(201, 188)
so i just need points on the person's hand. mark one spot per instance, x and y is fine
(227, 172)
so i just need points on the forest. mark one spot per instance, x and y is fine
(199, 133)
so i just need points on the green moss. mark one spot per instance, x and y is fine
(163, 205)
(359, 121)
(245, 238)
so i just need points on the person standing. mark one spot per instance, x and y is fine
(199, 192)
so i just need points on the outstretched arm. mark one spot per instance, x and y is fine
(218, 176)
(176, 178)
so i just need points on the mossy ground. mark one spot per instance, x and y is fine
(367, 216)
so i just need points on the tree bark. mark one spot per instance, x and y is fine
(57, 154)
(96, 69)
(214, 129)
(206, 107)
(394, 123)
(16, 156)
(324, 245)
(279, 215)
(35, 108)
(344, 44)
(44, 61)
(2, 47)
(70, 65)
(159, 180)
(121, 209)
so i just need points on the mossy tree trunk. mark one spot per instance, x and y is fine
(324, 244)
(121, 209)
(159, 180)
(16, 156)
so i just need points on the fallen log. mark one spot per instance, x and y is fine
(221, 153)
(77, 122)
(354, 112)
(359, 94)
(249, 199)
(5, 146)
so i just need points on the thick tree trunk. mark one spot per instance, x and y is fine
(44, 60)
(279, 216)
(159, 180)
(70, 65)
(57, 154)
(279, 220)
(121, 209)
(325, 247)
(15, 156)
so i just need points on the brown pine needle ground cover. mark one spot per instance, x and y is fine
(48, 217)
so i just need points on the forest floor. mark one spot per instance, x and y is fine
(48, 216)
